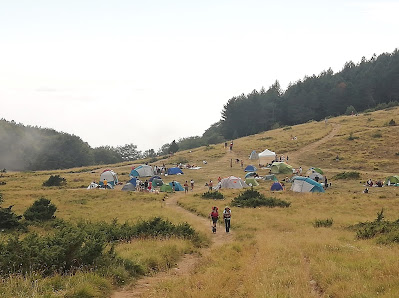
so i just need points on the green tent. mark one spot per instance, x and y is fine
(392, 180)
(157, 182)
(280, 168)
(251, 181)
(166, 188)
(270, 177)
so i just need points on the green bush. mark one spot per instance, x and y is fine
(252, 198)
(378, 134)
(215, 195)
(392, 122)
(323, 222)
(352, 137)
(347, 175)
(55, 180)
(8, 219)
(41, 210)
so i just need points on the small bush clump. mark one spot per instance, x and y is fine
(347, 175)
(55, 180)
(392, 122)
(378, 134)
(252, 198)
(352, 137)
(41, 210)
(215, 195)
(323, 223)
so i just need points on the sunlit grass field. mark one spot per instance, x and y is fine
(274, 252)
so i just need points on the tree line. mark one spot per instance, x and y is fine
(367, 85)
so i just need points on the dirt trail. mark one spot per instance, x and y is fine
(143, 286)
(296, 154)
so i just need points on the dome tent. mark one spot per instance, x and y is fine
(232, 182)
(304, 184)
(250, 168)
(142, 171)
(175, 171)
(251, 182)
(254, 155)
(110, 176)
(276, 186)
(280, 167)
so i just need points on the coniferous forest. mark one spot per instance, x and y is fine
(367, 85)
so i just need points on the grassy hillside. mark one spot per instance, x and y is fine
(272, 252)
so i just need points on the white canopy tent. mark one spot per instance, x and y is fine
(266, 157)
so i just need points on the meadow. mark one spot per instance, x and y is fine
(271, 252)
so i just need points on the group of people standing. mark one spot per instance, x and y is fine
(214, 215)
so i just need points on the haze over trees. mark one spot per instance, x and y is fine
(369, 84)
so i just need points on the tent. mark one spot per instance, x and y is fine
(175, 171)
(392, 180)
(250, 168)
(110, 176)
(304, 184)
(276, 186)
(142, 171)
(251, 182)
(314, 170)
(178, 186)
(250, 174)
(266, 157)
(133, 181)
(166, 188)
(129, 187)
(92, 185)
(157, 182)
(233, 182)
(154, 177)
(318, 175)
(270, 177)
(254, 155)
(280, 167)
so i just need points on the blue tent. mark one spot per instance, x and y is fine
(305, 184)
(154, 177)
(178, 186)
(250, 168)
(174, 171)
(133, 181)
(276, 186)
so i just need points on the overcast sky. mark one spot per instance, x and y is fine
(148, 72)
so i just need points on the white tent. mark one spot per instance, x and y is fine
(92, 185)
(232, 182)
(254, 155)
(266, 157)
(142, 171)
(110, 176)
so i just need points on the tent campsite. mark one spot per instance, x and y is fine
(142, 171)
(110, 176)
(250, 168)
(251, 182)
(276, 186)
(392, 180)
(129, 187)
(266, 157)
(178, 186)
(270, 177)
(280, 168)
(232, 182)
(175, 171)
(304, 184)
(254, 155)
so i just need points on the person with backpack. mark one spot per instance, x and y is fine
(226, 218)
(214, 215)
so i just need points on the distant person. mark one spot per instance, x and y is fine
(227, 218)
(192, 184)
(242, 163)
(210, 185)
(173, 186)
(225, 144)
(214, 215)
(325, 182)
(105, 183)
(186, 187)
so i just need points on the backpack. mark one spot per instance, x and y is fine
(214, 214)
(227, 214)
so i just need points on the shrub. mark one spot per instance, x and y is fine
(41, 210)
(208, 147)
(350, 110)
(392, 123)
(215, 195)
(352, 137)
(287, 128)
(347, 175)
(378, 134)
(252, 198)
(323, 223)
(55, 180)
(8, 219)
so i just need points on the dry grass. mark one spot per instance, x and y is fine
(276, 252)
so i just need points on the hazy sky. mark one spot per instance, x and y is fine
(148, 72)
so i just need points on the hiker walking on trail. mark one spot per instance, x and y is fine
(186, 187)
(214, 215)
(226, 218)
